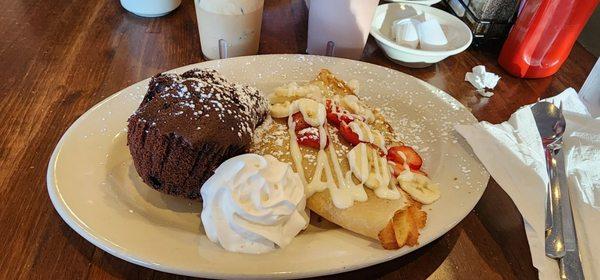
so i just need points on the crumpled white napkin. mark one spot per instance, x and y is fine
(512, 153)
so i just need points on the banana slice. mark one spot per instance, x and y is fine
(354, 85)
(379, 141)
(281, 110)
(314, 113)
(350, 103)
(358, 158)
(419, 187)
(293, 91)
(283, 100)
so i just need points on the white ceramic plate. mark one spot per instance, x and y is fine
(96, 190)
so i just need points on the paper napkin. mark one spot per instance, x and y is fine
(512, 153)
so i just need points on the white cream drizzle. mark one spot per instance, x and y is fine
(295, 152)
(365, 134)
(373, 171)
(362, 130)
(405, 164)
(334, 110)
(341, 187)
(322, 140)
(354, 105)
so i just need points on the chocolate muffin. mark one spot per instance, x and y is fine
(187, 125)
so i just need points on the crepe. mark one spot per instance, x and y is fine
(394, 222)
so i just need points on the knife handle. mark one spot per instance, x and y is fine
(555, 247)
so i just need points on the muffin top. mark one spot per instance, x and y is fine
(201, 106)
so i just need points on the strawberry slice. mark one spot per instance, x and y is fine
(328, 103)
(339, 115)
(412, 157)
(333, 119)
(397, 168)
(298, 119)
(309, 137)
(306, 135)
(348, 134)
(394, 156)
(348, 118)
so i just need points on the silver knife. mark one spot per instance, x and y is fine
(570, 264)
(554, 243)
(551, 125)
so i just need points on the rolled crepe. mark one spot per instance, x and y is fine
(386, 220)
(365, 218)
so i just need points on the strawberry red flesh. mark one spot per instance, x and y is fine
(348, 134)
(298, 119)
(306, 135)
(333, 119)
(413, 159)
(309, 137)
(328, 103)
(394, 156)
(336, 118)
(347, 118)
(339, 115)
(397, 168)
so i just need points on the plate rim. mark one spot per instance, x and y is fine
(69, 217)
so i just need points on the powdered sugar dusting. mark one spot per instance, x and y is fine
(203, 93)
(421, 115)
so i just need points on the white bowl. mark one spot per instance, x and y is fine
(150, 8)
(420, 2)
(458, 34)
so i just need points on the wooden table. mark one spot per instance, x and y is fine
(58, 58)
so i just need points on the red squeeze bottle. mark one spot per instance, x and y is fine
(543, 35)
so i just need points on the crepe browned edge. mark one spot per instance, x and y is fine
(394, 223)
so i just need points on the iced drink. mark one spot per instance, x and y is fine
(237, 22)
(345, 22)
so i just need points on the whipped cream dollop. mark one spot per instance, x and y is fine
(253, 204)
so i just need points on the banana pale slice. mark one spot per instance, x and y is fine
(419, 187)
(358, 158)
(293, 91)
(281, 110)
(283, 99)
(313, 112)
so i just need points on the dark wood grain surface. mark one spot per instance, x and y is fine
(59, 58)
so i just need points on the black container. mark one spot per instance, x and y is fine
(489, 20)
